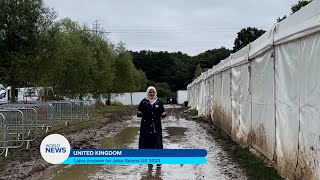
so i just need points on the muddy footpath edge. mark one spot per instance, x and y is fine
(32, 166)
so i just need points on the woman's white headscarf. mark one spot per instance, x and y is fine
(155, 98)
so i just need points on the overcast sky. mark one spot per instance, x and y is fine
(190, 26)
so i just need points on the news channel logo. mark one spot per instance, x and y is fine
(55, 149)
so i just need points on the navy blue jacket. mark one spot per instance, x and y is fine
(151, 117)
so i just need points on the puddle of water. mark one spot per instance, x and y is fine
(121, 140)
(178, 133)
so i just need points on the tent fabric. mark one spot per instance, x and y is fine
(211, 93)
(226, 64)
(226, 121)
(302, 23)
(235, 100)
(262, 44)
(217, 68)
(267, 95)
(287, 103)
(217, 99)
(241, 104)
(263, 119)
(309, 155)
(245, 105)
(240, 57)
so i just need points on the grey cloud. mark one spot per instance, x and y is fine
(174, 25)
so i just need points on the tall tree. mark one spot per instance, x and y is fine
(172, 68)
(245, 36)
(126, 75)
(104, 71)
(21, 24)
(198, 71)
(78, 61)
(210, 58)
(140, 80)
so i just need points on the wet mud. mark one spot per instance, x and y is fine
(32, 166)
(178, 132)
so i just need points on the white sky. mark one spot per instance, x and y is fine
(190, 26)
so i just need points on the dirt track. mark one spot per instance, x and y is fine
(32, 166)
(121, 131)
(179, 132)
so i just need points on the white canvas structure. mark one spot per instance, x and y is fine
(181, 96)
(217, 108)
(263, 118)
(267, 95)
(137, 97)
(133, 98)
(226, 121)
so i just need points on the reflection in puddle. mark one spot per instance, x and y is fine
(150, 175)
(175, 132)
(121, 140)
(178, 134)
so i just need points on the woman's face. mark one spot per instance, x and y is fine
(151, 93)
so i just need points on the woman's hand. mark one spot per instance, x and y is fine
(163, 114)
(139, 114)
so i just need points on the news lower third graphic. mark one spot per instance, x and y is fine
(55, 149)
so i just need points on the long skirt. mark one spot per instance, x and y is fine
(150, 141)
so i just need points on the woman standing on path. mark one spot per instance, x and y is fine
(151, 110)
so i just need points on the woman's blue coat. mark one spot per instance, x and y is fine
(150, 127)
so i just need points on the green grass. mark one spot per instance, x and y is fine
(113, 109)
(193, 112)
(255, 167)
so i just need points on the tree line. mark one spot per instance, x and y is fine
(174, 71)
(36, 49)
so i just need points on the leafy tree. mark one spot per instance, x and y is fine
(128, 78)
(210, 58)
(163, 90)
(104, 72)
(140, 80)
(67, 57)
(74, 62)
(162, 66)
(245, 36)
(176, 69)
(22, 24)
(198, 71)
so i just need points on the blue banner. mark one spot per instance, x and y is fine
(135, 160)
(138, 153)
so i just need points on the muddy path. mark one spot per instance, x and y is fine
(178, 132)
(33, 165)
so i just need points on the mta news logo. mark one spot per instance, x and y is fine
(55, 149)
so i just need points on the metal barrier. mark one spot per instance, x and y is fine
(3, 133)
(62, 110)
(71, 110)
(14, 125)
(43, 112)
(82, 109)
(19, 122)
(30, 132)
